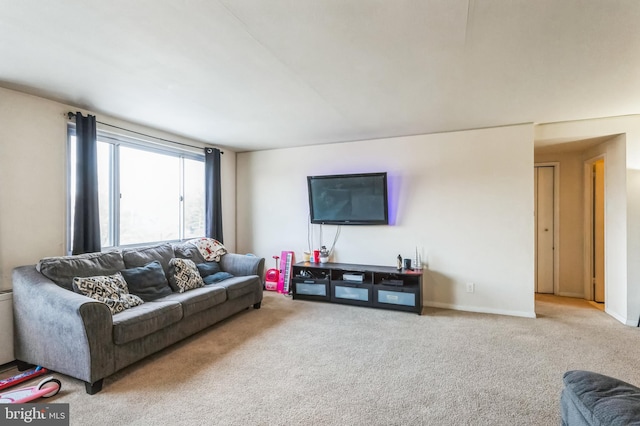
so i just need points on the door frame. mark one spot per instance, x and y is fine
(588, 226)
(556, 223)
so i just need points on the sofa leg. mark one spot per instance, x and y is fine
(23, 366)
(93, 388)
(257, 305)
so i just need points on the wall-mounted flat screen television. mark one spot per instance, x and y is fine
(353, 199)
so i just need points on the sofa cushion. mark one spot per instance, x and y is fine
(140, 256)
(216, 278)
(144, 319)
(239, 286)
(198, 299)
(184, 275)
(148, 281)
(61, 270)
(110, 290)
(601, 400)
(242, 264)
(188, 251)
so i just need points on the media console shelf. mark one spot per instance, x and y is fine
(363, 285)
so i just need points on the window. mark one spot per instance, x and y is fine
(147, 193)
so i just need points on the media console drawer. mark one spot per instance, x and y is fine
(402, 298)
(396, 298)
(351, 293)
(312, 289)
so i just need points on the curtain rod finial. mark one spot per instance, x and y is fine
(71, 115)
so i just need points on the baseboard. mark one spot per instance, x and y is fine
(480, 310)
(569, 294)
(618, 317)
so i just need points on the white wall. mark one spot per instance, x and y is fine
(33, 137)
(615, 205)
(465, 198)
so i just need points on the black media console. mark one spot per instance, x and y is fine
(363, 285)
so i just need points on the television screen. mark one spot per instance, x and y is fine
(354, 199)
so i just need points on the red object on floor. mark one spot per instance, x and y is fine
(272, 277)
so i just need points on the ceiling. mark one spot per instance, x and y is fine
(255, 74)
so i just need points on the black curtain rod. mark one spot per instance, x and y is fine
(73, 115)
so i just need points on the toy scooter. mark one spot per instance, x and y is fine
(27, 375)
(46, 388)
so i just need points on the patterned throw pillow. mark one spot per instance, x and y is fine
(211, 249)
(111, 290)
(184, 275)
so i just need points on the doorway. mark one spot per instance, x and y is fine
(595, 230)
(546, 209)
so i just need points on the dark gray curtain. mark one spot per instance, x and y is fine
(213, 194)
(86, 218)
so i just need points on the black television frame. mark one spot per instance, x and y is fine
(382, 175)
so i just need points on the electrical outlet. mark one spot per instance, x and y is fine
(470, 287)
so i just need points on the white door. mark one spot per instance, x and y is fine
(544, 228)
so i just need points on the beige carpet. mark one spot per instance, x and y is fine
(305, 363)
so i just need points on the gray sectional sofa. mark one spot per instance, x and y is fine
(73, 334)
(594, 399)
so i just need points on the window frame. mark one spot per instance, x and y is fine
(115, 141)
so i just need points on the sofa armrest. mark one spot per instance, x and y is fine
(59, 329)
(594, 399)
(242, 265)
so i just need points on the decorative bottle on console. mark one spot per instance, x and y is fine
(324, 255)
(399, 265)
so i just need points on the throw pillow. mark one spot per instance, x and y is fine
(208, 268)
(110, 289)
(135, 257)
(184, 275)
(216, 278)
(210, 248)
(148, 282)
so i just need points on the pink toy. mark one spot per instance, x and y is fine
(46, 388)
(10, 381)
(272, 277)
(286, 261)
